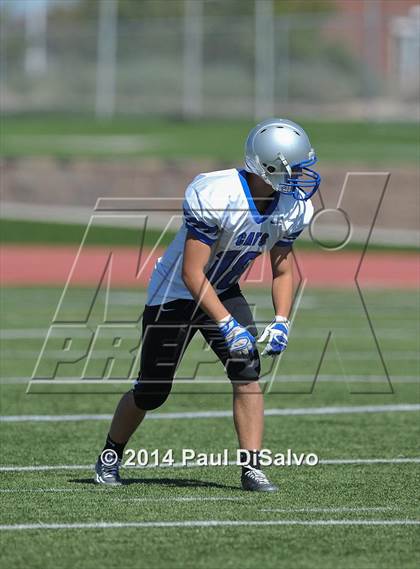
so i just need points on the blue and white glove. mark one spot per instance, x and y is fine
(239, 341)
(275, 334)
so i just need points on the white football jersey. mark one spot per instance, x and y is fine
(220, 211)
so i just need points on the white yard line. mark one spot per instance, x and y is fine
(46, 467)
(120, 499)
(307, 355)
(42, 490)
(40, 333)
(335, 410)
(369, 461)
(205, 499)
(332, 461)
(22, 333)
(325, 510)
(52, 418)
(222, 379)
(207, 523)
(183, 499)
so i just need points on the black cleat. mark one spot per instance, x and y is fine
(255, 480)
(107, 474)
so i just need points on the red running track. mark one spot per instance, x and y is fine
(49, 265)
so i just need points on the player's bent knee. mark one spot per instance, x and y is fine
(243, 378)
(244, 372)
(148, 398)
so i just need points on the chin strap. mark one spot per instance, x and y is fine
(285, 163)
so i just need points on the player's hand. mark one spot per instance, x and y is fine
(239, 341)
(276, 336)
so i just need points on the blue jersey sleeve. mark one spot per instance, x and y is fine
(199, 218)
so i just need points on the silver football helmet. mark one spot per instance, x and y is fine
(279, 151)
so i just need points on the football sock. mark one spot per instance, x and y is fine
(118, 447)
(250, 458)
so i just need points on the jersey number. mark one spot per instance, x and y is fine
(229, 266)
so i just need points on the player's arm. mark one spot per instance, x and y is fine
(196, 256)
(282, 285)
(276, 333)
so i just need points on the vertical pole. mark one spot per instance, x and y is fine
(285, 61)
(372, 43)
(106, 58)
(264, 59)
(36, 38)
(192, 105)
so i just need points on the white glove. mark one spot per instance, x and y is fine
(276, 335)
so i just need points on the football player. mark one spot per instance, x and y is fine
(230, 218)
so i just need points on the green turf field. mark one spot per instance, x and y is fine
(332, 515)
(349, 142)
(22, 232)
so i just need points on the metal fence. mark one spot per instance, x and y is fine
(211, 66)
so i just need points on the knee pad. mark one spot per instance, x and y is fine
(150, 395)
(244, 371)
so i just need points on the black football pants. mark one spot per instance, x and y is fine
(167, 331)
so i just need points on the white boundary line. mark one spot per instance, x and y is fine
(331, 461)
(208, 523)
(335, 410)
